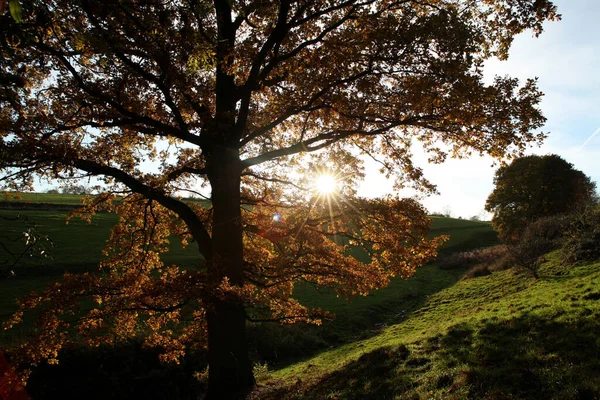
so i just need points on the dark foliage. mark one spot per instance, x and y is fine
(533, 187)
(583, 243)
(127, 371)
(538, 238)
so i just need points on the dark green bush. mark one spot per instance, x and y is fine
(583, 237)
(540, 237)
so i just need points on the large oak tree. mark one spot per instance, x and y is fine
(250, 99)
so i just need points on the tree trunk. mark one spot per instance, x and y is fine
(230, 371)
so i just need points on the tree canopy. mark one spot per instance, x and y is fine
(533, 187)
(252, 100)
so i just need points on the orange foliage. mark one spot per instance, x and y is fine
(251, 99)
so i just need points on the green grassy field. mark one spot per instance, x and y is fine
(502, 336)
(433, 336)
(45, 198)
(77, 247)
(53, 198)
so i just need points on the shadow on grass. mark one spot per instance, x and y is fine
(520, 358)
(362, 318)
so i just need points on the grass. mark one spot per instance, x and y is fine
(76, 243)
(464, 234)
(78, 247)
(363, 317)
(501, 336)
(56, 198)
(45, 198)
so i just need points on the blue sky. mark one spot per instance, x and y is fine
(566, 59)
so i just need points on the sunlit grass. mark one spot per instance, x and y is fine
(503, 333)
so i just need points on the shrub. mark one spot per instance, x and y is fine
(261, 372)
(583, 237)
(540, 237)
(487, 255)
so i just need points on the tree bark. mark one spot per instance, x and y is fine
(230, 371)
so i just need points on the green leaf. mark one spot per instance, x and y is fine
(15, 10)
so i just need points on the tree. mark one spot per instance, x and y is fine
(76, 189)
(533, 187)
(251, 99)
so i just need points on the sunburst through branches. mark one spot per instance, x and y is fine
(325, 184)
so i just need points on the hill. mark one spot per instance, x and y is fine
(77, 247)
(501, 336)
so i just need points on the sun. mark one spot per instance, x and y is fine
(325, 184)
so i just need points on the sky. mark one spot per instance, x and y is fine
(566, 60)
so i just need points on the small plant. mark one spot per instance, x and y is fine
(261, 372)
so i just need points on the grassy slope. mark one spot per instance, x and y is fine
(78, 247)
(45, 198)
(358, 317)
(503, 336)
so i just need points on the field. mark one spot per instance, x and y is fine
(90, 240)
(77, 246)
(502, 336)
(433, 336)
(45, 198)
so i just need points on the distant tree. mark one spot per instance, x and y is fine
(52, 191)
(447, 212)
(533, 187)
(76, 189)
(252, 99)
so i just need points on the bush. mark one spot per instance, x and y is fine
(583, 237)
(487, 255)
(540, 237)
(261, 372)
(481, 261)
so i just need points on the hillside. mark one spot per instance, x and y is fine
(501, 336)
(433, 336)
(77, 247)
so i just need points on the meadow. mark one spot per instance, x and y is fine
(77, 247)
(437, 335)
(501, 336)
